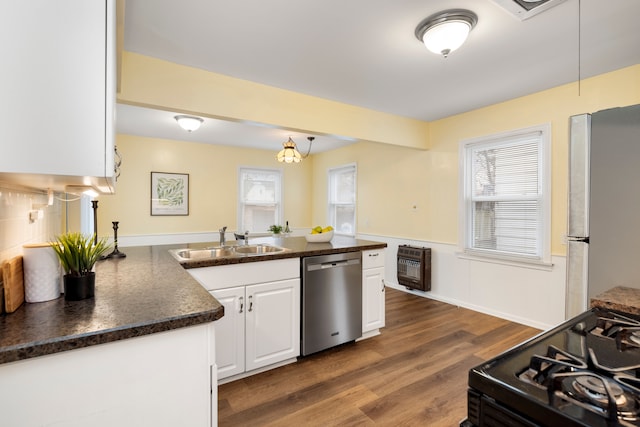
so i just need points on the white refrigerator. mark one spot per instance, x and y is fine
(603, 232)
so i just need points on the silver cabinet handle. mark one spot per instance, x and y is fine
(250, 303)
(382, 281)
(375, 254)
(241, 304)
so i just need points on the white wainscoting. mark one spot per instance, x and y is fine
(168, 239)
(178, 238)
(530, 296)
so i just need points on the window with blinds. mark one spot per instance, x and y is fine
(260, 199)
(506, 195)
(342, 199)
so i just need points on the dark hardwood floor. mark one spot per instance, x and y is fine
(413, 374)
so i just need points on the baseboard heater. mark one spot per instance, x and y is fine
(414, 267)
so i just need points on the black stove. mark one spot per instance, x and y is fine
(584, 372)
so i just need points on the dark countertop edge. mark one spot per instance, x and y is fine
(52, 346)
(282, 255)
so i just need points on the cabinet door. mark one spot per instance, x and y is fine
(56, 109)
(372, 299)
(272, 323)
(229, 332)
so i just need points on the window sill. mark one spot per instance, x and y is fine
(513, 262)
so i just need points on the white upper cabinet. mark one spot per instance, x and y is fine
(58, 89)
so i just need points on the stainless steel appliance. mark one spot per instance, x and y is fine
(584, 372)
(331, 300)
(604, 204)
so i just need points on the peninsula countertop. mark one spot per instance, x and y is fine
(146, 292)
(297, 247)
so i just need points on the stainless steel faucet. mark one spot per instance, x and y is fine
(223, 230)
(246, 237)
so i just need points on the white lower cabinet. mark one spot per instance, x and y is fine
(162, 379)
(230, 332)
(260, 327)
(373, 304)
(261, 323)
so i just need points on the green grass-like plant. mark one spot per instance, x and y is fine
(78, 253)
(275, 229)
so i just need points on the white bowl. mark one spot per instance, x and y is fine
(320, 237)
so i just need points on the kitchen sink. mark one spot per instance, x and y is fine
(201, 254)
(258, 249)
(225, 252)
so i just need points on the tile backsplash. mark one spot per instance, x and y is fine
(27, 217)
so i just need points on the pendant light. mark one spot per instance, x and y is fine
(446, 31)
(290, 153)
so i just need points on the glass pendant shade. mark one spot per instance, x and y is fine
(289, 154)
(189, 123)
(445, 32)
(446, 37)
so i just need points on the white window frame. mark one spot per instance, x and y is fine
(330, 204)
(279, 197)
(543, 256)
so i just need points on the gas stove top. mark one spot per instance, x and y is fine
(584, 372)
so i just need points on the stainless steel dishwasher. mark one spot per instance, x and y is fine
(331, 300)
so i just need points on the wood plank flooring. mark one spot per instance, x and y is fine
(413, 374)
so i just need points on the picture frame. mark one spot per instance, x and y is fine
(169, 193)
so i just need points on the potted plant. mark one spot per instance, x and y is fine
(78, 254)
(275, 229)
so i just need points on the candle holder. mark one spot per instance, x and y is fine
(116, 253)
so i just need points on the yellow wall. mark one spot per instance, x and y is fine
(213, 186)
(392, 179)
(152, 82)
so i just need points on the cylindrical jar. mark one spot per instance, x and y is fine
(42, 272)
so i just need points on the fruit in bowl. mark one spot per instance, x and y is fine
(320, 234)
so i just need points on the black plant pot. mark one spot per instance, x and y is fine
(79, 287)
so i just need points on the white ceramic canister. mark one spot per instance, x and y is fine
(42, 272)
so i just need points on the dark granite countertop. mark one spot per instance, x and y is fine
(297, 247)
(620, 298)
(144, 293)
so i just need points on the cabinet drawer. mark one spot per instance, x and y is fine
(227, 276)
(373, 258)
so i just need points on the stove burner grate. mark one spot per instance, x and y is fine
(601, 395)
(624, 330)
(542, 368)
(613, 393)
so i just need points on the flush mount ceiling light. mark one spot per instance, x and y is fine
(290, 153)
(189, 123)
(446, 31)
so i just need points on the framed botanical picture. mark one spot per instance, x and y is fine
(169, 193)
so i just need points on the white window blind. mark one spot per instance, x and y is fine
(259, 200)
(342, 199)
(506, 196)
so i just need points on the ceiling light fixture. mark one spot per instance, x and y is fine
(446, 31)
(290, 153)
(189, 123)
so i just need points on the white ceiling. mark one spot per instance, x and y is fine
(364, 53)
